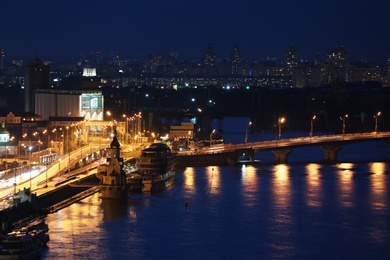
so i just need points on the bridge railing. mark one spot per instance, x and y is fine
(290, 142)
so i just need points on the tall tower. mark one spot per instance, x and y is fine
(291, 58)
(1, 59)
(36, 77)
(209, 56)
(236, 60)
(209, 61)
(338, 60)
(388, 64)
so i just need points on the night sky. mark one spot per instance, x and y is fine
(57, 28)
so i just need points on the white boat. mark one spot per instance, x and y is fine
(156, 168)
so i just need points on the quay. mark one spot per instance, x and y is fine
(48, 201)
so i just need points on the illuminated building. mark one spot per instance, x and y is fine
(236, 60)
(183, 131)
(1, 59)
(291, 58)
(364, 71)
(337, 60)
(36, 77)
(388, 64)
(69, 103)
(209, 61)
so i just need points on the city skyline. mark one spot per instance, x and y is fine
(53, 30)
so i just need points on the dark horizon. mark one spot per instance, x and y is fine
(73, 57)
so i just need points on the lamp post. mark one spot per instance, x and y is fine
(30, 148)
(344, 117)
(6, 159)
(39, 146)
(126, 130)
(211, 137)
(109, 114)
(376, 122)
(59, 167)
(246, 132)
(67, 139)
(311, 125)
(281, 120)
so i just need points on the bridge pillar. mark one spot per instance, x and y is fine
(281, 155)
(387, 142)
(330, 152)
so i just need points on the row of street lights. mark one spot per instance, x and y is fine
(281, 120)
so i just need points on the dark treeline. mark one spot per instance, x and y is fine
(361, 102)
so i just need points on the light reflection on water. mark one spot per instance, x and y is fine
(314, 188)
(298, 211)
(281, 186)
(345, 175)
(214, 180)
(250, 185)
(189, 182)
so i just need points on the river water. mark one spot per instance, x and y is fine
(300, 210)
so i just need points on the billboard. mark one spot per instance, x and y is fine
(92, 106)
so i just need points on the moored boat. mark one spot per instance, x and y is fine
(156, 169)
(26, 242)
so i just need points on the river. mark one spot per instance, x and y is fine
(301, 210)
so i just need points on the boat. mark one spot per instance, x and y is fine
(243, 159)
(112, 176)
(156, 169)
(26, 242)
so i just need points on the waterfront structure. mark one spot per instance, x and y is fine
(25, 242)
(183, 131)
(112, 176)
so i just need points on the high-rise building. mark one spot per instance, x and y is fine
(209, 58)
(291, 58)
(236, 60)
(209, 61)
(337, 65)
(1, 59)
(36, 77)
(388, 63)
(338, 57)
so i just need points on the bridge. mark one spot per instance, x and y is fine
(227, 153)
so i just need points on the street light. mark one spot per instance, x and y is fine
(30, 148)
(344, 117)
(59, 167)
(376, 122)
(6, 159)
(39, 147)
(126, 130)
(109, 114)
(281, 120)
(311, 125)
(246, 132)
